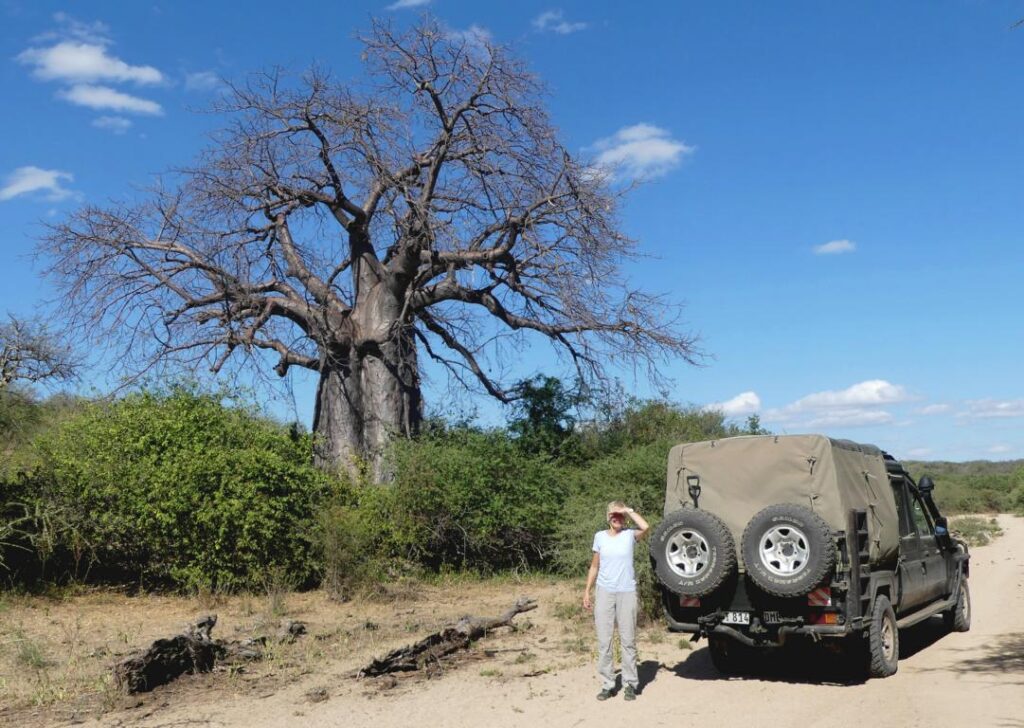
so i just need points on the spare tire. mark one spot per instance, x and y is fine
(787, 550)
(693, 552)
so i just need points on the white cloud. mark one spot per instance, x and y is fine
(993, 408)
(919, 452)
(934, 409)
(106, 98)
(114, 124)
(999, 449)
(835, 247)
(745, 403)
(77, 55)
(474, 36)
(403, 4)
(26, 180)
(639, 151)
(69, 27)
(78, 62)
(553, 21)
(856, 406)
(871, 392)
(849, 417)
(202, 81)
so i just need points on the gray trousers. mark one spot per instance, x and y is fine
(611, 609)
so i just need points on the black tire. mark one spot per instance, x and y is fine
(693, 552)
(958, 619)
(729, 656)
(883, 639)
(788, 550)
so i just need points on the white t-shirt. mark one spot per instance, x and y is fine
(615, 573)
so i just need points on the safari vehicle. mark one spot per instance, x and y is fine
(766, 538)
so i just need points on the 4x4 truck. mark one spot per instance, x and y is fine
(769, 537)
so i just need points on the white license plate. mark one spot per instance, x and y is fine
(737, 618)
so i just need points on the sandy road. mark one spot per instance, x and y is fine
(973, 679)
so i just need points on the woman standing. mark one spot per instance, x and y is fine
(615, 604)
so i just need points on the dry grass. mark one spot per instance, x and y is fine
(975, 530)
(56, 652)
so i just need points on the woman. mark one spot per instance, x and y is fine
(615, 604)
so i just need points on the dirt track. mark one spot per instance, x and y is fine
(973, 679)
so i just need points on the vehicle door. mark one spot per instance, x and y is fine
(934, 561)
(911, 569)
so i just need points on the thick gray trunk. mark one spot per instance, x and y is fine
(364, 400)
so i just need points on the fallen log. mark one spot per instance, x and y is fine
(432, 648)
(193, 651)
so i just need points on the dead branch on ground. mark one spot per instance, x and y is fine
(192, 651)
(439, 644)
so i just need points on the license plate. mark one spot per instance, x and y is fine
(737, 618)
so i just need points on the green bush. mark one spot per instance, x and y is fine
(975, 487)
(357, 539)
(177, 489)
(655, 422)
(472, 499)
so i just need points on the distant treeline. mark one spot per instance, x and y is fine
(977, 486)
(190, 490)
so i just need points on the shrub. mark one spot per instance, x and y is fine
(357, 542)
(176, 489)
(972, 487)
(472, 499)
(655, 422)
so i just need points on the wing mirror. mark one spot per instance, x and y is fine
(926, 485)
(942, 536)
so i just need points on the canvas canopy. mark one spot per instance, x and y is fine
(741, 475)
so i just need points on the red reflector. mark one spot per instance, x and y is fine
(823, 618)
(820, 597)
(689, 602)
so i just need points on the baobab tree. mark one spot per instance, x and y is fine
(352, 229)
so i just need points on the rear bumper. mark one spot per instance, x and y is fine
(770, 636)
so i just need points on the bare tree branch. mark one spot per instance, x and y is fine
(30, 353)
(342, 227)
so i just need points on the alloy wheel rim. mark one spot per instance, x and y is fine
(687, 553)
(888, 639)
(784, 550)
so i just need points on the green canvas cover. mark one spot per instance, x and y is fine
(741, 475)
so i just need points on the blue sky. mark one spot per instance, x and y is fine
(833, 189)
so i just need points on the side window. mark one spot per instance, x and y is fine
(922, 520)
(897, 492)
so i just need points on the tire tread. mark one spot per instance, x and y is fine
(878, 666)
(821, 565)
(714, 530)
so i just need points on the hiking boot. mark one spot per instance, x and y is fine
(629, 693)
(605, 694)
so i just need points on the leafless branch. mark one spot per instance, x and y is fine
(331, 222)
(31, 353)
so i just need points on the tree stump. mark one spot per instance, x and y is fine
(166, 659)
(193, 651)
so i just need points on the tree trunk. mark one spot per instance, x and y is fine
(365, 399)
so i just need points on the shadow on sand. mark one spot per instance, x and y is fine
(1001, 655)
(829, 663)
